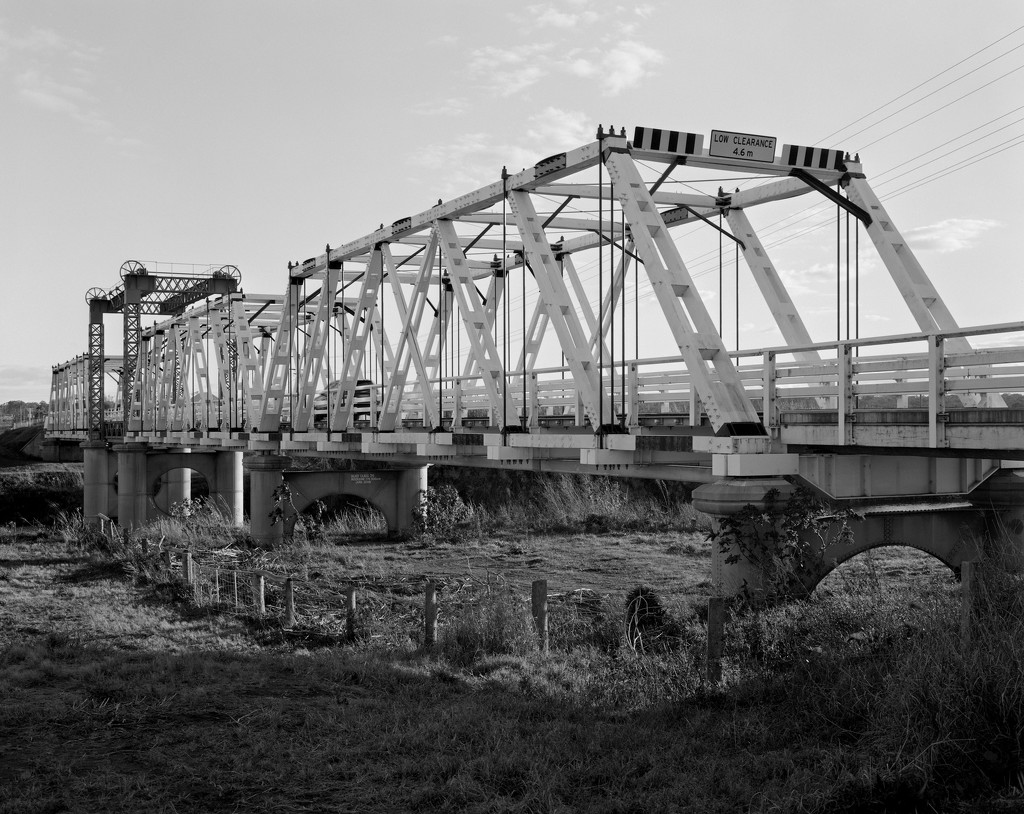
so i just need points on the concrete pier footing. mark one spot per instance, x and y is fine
(266, 474)
(732, 571)
(226, 488)
(100, 495)
(134, 483)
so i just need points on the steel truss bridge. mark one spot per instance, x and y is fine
(493, 330)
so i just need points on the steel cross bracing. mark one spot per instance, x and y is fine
(491, 330)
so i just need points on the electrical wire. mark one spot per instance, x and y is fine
(922, 84)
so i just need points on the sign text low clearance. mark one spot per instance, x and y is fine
(742, 145)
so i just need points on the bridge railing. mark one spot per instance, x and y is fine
(905, 372)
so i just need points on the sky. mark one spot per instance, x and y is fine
(253, 133)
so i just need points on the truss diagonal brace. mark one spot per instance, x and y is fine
(713, 374)
(559, 307)
(475, 319)
(832, 195)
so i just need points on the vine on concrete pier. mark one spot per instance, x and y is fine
(785, 541)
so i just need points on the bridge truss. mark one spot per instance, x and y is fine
(403, 345)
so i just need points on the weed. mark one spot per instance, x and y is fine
(646, 621)
(580, 620)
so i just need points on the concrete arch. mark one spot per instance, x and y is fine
(950, 533)
(161, 463)
(394, 492)
(950, 537)
(301, 502)
(180, 466)
(137, 467)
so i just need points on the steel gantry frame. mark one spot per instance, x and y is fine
(139, 293)
(398, 343)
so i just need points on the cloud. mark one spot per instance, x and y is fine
(508, 71)
(58, 73)
(616, 64)
(548, 16)
(470, 160)
(560, 129)
(452, 106)
(950, 235)
(631, 63)
(808, 280)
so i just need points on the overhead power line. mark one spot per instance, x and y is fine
(932, 78)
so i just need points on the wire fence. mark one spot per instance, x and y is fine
(220, 582)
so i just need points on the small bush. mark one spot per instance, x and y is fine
(440, 514)
(646, 623)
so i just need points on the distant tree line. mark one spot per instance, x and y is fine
(16, 412)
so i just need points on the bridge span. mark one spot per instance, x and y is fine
(495, 330)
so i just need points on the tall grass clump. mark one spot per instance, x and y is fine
(70, 527)
(951, 715)
(609, 504)
(560, 503)
(936, 711)
(198, 524)
(494, 623)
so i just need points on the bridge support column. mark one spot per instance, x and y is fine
(411, 482)
(99, 497)
(176, 488)
(266, 473)
(226, 493)
(1004, 492)
(722, 499)
(132, 485)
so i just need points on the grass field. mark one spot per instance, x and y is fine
(119, 694)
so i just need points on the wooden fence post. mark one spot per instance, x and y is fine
(258, 594)
(539, 602)
(289, 603)
(190, 573)
(350, 612)
(430, 615)
(967, 590)
(716, 637)
(165, 555)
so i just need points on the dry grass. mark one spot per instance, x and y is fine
(36, 493)
(120, 695)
